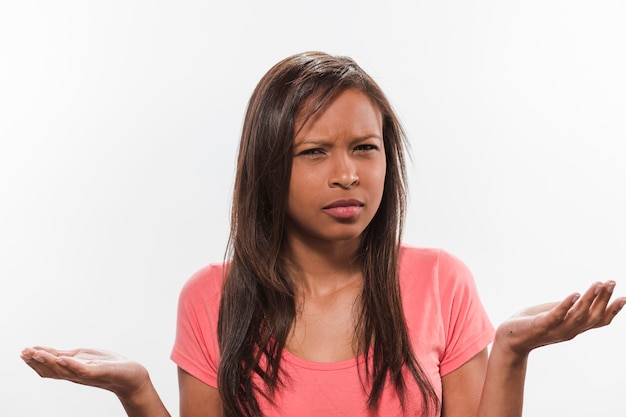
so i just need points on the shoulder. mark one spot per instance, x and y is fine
(196, 348)
(419, 261)
(434, 271)
(205, 283)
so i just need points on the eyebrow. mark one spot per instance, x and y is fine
(315, 141)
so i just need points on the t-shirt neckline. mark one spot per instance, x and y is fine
(322, 366)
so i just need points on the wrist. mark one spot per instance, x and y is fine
(507, 350)
(143, 401)
(135, 393)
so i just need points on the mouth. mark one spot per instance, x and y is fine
(344, 203)
(344, 209)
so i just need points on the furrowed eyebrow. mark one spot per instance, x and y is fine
(366, 137)
(312, 142)
(320, 142)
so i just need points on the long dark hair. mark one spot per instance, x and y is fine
(258, 304)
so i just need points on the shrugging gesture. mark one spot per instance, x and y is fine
(503, 391)
(317, 280)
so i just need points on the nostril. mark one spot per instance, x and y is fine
(346, 182)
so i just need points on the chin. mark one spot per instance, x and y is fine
(343, 232)
(345, 235)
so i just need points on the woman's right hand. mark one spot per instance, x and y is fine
(96, 368)
(129, 380)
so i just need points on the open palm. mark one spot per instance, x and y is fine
(559, 321)
(96, 368)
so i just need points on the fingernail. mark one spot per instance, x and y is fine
(39, 359)
(610, 287)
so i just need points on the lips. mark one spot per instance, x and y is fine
(344, 203)
(344, 209)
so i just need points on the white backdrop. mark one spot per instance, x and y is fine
(118, 128)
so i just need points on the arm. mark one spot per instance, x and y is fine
(128, 380)
(503, 391)
(197, 399)
(462, 387)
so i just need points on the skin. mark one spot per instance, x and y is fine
(339, 155)
(339, 158)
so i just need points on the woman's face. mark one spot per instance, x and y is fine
(338, 171)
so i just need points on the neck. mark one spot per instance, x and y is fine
(323, 267)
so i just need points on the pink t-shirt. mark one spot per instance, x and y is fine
(446, 321)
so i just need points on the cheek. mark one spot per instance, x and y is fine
(302, 184)
(306, 177)
(378, 176)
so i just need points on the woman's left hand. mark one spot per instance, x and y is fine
(559, 321)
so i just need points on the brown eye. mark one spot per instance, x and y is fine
(311, 152)
(366, 147)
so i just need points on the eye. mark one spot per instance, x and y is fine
(311, 152)
(366, 147)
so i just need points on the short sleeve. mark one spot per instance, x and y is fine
(196, 348)
(466, 325)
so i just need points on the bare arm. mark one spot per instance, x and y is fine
(461, 388)
(503, 391)
(493, 386)
(197, 399)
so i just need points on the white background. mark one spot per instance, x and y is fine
(119, 122)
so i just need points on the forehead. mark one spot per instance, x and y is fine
(349, 110)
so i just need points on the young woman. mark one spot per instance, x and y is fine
(320, 310)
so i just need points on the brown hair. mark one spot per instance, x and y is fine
(258, 304)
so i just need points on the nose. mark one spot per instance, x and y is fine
(344, 173)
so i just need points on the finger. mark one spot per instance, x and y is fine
(598, 309)
(50, 350)
(587, 316)
(26, 354)
(40, 354)
(611, 311)
(579, 312)
(75, 367)
(39, 365)
(559, 311)
(45, 355)
(61, 362)
(60, 367)
(41, 370)
(58, 352)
